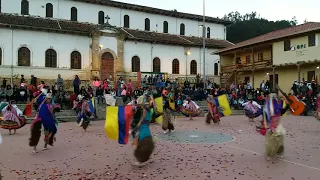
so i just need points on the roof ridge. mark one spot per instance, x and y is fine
(180, 36)
(46, 18)
(126, 32)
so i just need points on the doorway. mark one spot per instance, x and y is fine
(271, 81)
(107, 66)
(311, 76)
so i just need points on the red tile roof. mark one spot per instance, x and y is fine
(275, 35)
(49, 24)
(146, 9)
(164, 38)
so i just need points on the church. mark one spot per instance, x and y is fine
(104, 38)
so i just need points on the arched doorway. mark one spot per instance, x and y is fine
(107, 65)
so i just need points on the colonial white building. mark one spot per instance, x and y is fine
(102, 38)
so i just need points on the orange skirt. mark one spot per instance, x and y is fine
(10, 125)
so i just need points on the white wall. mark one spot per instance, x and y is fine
(38, 42)
(109, 43)
(89, 13)
(147, 52)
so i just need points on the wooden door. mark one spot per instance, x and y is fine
(107, 65)
(311, 76)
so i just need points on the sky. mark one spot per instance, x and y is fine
(269, 9)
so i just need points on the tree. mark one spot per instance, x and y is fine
(247, 26)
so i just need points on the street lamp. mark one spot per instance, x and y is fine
(203, 25)
(187, 53)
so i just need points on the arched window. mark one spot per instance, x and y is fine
(208, 32)
(126, 20)
(49, 10)
(25, 7)
(51, 58)
(101, 17)
(175, 66)
(156, 65)
(182, 29)
(0, 55)
(135, 64)
(147, 24)
(23, 56)
(193, 67)
(74, 14)
(75, 60)
(216, 69)
(165, 27)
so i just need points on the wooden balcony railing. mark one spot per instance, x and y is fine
(243, 67)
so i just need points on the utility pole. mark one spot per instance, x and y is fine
(204, 43)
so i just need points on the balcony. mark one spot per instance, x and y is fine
(265, 63)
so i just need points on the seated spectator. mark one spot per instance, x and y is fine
(99, 94)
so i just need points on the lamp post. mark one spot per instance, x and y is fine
(187, 53)
(204, 42)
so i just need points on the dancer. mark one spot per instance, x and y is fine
(84, 114)
(318, 107)
(167, 124)
(190, 109)
(272, 112)
(143, 142)
(252, 109)
(13, 118)
(213, 111)
(45, 117)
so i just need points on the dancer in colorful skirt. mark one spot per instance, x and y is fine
(190, 109)
(143, 142)
(45, 117)
(252, 109)
(167, 124)
(84, 114)
(272, 112)
(13, 118)
(213, 111)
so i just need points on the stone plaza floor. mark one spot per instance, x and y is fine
(194, 151)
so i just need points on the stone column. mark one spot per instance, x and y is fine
(118, 66)
(252, 78)
(95, 63)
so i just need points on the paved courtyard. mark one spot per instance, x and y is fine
(195, 151)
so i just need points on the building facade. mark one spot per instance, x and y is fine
(104, 38)
(280, 57)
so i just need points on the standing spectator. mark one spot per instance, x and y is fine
(59, 82)
(33, 81)
(76, 85)
(9, 93)
(198, 78)
(129, 87)
(4, 82)
(96, 83)
(262, 86)
(22, 78)
(105, 85)
(119, 86)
